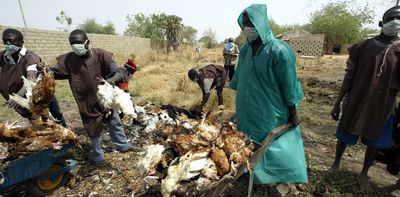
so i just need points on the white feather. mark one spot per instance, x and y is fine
(112, 97)
(153, 156)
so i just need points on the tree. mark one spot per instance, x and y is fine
(91, 26)
(340, 24)
(158, 27)
(172, 25)
(189, 34)
(209, 38)
(63, 18)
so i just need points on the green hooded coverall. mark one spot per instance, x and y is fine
(266, 85)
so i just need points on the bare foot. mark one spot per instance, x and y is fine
(365, 184)
(334, 168)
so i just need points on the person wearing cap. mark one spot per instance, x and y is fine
(209, 77)
(83, 67)
(128, 70)
(367, 96)
(230, 53)
(17, 61)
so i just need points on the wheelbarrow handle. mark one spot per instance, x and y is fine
(257, 155)
(278, 131)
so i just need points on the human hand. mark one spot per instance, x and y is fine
(335, 112)
(293, 119)
(111, 82)
(11, 103)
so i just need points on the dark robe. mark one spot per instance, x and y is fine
(10, 76)
(371, 99)
(216, 72)
(83, 74)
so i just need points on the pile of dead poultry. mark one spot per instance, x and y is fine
(18, 139)
(186, 155)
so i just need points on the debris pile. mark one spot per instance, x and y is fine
(187, 155)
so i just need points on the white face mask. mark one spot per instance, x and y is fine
(80, 49)
(391, 28)
(11, 49)
(251, 33)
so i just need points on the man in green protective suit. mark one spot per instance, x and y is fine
(267, 92)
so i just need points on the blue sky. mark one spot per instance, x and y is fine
(219, 15)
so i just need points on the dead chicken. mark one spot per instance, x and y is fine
(113, 98)
(221, 161)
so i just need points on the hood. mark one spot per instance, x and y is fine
(258, 16)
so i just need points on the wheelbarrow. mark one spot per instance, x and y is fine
(44, 171)
(218, 187)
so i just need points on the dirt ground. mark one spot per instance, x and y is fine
(321, 82)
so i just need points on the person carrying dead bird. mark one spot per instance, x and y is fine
(367, 95)
(230, 53)
(209, 77)
(267, 93)
(16, 62)
(83, 67)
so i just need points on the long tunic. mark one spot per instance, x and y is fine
(371, 98)
(266, 85)
(10, 74)
(212, 71)
(83, 75)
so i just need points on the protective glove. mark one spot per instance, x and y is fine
(293, 119)
(335, 112)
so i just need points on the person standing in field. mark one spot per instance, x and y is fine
(368, 92)
(230, 53)
(83, 67)
(267, 93)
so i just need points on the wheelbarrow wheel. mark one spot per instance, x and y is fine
(43, 187)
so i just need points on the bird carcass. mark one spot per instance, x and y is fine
(207, 151)
(42, 132)
(113, 98)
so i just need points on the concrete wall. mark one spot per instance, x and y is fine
(49, 44)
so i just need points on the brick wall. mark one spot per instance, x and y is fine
(49, 44)
(309, 45)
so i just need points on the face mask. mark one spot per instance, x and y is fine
(79, 49)
(391, 28)
(251, 33)
(11, 49)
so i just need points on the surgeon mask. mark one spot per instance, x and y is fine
(251, 33)
(11, 49)
(80, 49)
(391, 28)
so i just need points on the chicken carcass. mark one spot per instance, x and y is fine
(112, 97)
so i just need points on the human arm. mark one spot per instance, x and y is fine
(284, 65)
(111, 73)
(344, 89)
(207, 83)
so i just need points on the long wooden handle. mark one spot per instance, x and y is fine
(257, 155)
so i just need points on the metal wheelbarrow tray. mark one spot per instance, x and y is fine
(46, 170)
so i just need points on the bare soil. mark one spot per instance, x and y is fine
(321, 83)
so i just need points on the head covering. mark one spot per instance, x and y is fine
(131, 66)
(257, 14)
